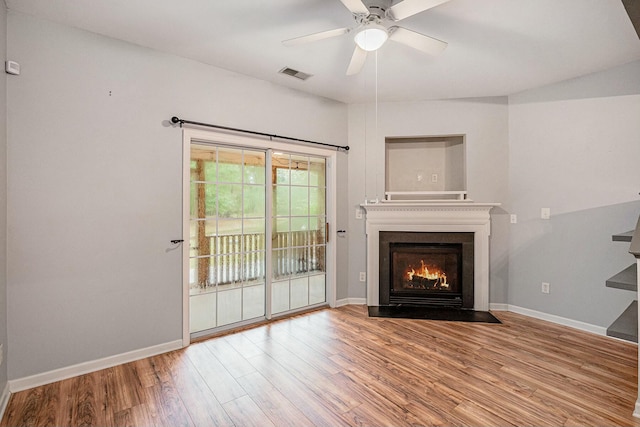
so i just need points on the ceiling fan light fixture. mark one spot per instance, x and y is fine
(371, 37)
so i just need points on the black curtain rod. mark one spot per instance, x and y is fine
(175, 119)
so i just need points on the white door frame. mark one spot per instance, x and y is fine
(190, 135)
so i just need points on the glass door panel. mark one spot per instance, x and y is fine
(227, 236)
(299, 231)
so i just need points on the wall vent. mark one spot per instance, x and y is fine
(295, 73)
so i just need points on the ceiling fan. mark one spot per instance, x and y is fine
(375, 19)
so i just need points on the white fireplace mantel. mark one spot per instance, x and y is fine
(430, 216)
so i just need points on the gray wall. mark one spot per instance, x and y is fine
(95, 185)
(3, 198)
(574, 148)
(484, 122)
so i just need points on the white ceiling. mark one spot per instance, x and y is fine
(496, 47)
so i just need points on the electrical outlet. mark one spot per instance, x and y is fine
(358, 213)
(434, 177)
(545, 288)
(1, 353)
(545, 213)
(514, 219)
(363, 276)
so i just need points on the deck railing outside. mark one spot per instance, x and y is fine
(240, 257)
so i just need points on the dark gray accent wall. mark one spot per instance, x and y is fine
(573, 148)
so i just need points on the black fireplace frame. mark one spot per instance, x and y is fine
(463, 300)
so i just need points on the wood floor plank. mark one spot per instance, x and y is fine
(199, 401)
(220, 381)
(306, 400)
(274, 404)
(316, 381)
(338, 367)
(233, 361)
(244, 412)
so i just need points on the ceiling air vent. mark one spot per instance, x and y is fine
(294, 73)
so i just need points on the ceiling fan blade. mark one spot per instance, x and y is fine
(356, 6)
(407, 8)
(316, 36)
(417, 41)
(357, 61)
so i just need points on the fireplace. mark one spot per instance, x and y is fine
(434, 218)
(423, 268)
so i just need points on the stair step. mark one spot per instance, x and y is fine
(623, 237)
(626, 326)
(627, 279)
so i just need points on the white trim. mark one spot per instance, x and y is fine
(186, 206)
(194, 135)
(4, 399)
(636, 412)
(37, 380)
(576, 324)
(351, 301)
(498, 306)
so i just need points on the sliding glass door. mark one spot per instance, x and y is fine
(227, 236)
(257, 229)
(299, 232)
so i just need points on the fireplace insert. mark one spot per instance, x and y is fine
(431, 269)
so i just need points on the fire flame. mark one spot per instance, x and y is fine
(424, 272)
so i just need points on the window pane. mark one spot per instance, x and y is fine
(202, 274)
(299, 224)
(280, 296)
(317, 289)
(281, 200)
(229, 226)
(253, 226)
(203, 200)
(316, 201)
(202, 314)
(252, 302)
(280, 163)
(254, 167)
(230, 200)
(299, 201)
(299, 292)
(203, 163)
(317, 172)
(254, 270)
(254, 201)
(229, 165)
(229, 306)
(280, 263)
(317, 258)
(299, 170)
(202, 244)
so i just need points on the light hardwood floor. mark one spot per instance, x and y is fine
(340, 368)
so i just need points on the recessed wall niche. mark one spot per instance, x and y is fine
(431, 167)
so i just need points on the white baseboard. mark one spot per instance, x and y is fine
(351, 301)
(636, 412)
(4, 399)
(92, 366)
(576, 324)
(498, 306)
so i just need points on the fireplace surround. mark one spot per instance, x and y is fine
(429, 217)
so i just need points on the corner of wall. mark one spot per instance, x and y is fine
(4, 396)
